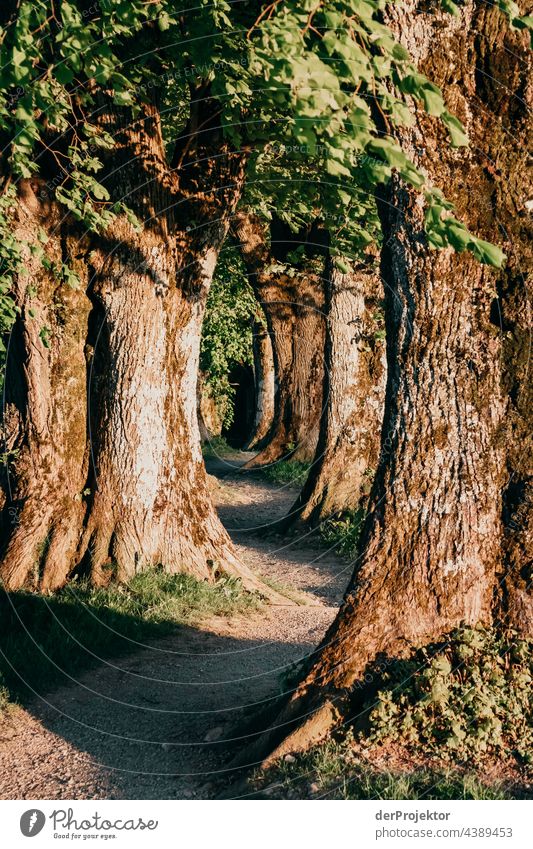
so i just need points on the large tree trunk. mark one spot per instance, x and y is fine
(144, 500)
(430, 557)
(264, 381)
(429, 551)
(294, 311)
(354, 394)
(505, 68)
(150, 502)
(45, 404)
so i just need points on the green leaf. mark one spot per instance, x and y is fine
(524, 22)
(99, 191)
(488, 254)
(458, 136)
(433, 101)
(342, 265)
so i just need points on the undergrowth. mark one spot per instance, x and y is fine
(461, 699)
(343, 533)
(216, 446)
(46, 639)
(287, 471)
(334, 770)
(454, 708)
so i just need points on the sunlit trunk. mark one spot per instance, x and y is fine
(348, 447)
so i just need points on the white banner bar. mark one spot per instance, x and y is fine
(267, 824)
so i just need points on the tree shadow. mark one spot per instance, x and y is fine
(153, 706)
(41, 636)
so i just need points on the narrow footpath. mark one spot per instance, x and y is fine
(156, 724)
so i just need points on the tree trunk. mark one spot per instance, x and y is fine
(354, 393)
(296, 324)
(45, 407)
(294, 311)
(430, 556)
(264, 379)
(209, 421)
(150, 502)
(146, 498)
(505, 67)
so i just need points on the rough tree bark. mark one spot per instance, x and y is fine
(430, 557)
(354, 392)
(504, 68)
(150, 502)
(44, 415)
(264, 378)
(146, 500)
(293, 307)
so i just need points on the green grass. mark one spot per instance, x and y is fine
(216, 446)
(334, 771)
(287, 590)
(343, 533)
(287, 471)
(44, 639)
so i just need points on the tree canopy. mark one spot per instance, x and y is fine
(316, 91)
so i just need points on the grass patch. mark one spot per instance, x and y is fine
(216, 446)
(343, 533)
(334, 770)
(287, 471)
(287, 590)
(44, 639)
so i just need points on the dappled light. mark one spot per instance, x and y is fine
(265, 344)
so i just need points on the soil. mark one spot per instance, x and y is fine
(161, 723)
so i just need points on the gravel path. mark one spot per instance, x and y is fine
(155, 725)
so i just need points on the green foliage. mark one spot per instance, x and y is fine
(4, 695)
(227, 330)
(336, 770)
(11, 264)
(343, 533)
(443, 229)
(217, 446)
(287, 471)
(45, 639)
(463, 702)
(462, 699)
(330, 68)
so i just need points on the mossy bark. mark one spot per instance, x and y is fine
(348, 447)
(139, 496)
(44, 417)
(294, 312)
(434, 552)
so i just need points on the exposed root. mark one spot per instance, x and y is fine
(318, 725)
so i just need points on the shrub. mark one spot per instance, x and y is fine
(460, 699)
(343, 533)
(335, 770)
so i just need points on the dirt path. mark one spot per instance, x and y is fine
(155, 725)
